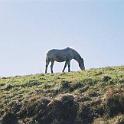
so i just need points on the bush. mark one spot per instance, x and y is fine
(62, 110)
(114, 103)
(7, 87)
(90, 81)
(31, 83)
(9, 118)
(105, 78)
(75, 86)
(86, 114)
(33, 108)
(65, 85)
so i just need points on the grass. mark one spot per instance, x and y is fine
(98, 93)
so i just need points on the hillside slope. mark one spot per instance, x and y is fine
(94, 96)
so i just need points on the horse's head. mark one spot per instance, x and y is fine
(81, 64)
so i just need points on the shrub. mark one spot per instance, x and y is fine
(9, 118)
(31, 83)
(33, 108)
(106, 78)
(8, 87)
(89, 81)
(62, 110)
(65, 85)
(86, 114)
(75, 86)
(114, 103)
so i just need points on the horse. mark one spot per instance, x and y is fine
(61, 55)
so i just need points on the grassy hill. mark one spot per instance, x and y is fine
(94, 96)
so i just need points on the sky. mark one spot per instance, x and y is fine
(29, 28)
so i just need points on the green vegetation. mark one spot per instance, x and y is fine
(94, 96)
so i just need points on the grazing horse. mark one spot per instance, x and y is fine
(62, 55)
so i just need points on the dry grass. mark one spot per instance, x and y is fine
(92, 96)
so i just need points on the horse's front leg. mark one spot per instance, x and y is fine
(69, 66)
(52, 63)
(64, 66)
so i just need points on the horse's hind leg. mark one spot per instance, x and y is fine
(52, 63)
(47, 63)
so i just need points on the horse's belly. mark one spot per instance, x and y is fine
(60, 60)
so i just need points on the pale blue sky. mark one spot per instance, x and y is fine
(28, 29)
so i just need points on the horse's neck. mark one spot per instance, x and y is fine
(76, 56)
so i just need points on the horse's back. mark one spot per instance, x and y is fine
(59, 54)
(58, 51)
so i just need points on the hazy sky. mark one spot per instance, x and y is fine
(29, 28)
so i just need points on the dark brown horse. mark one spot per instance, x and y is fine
(66, 55)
